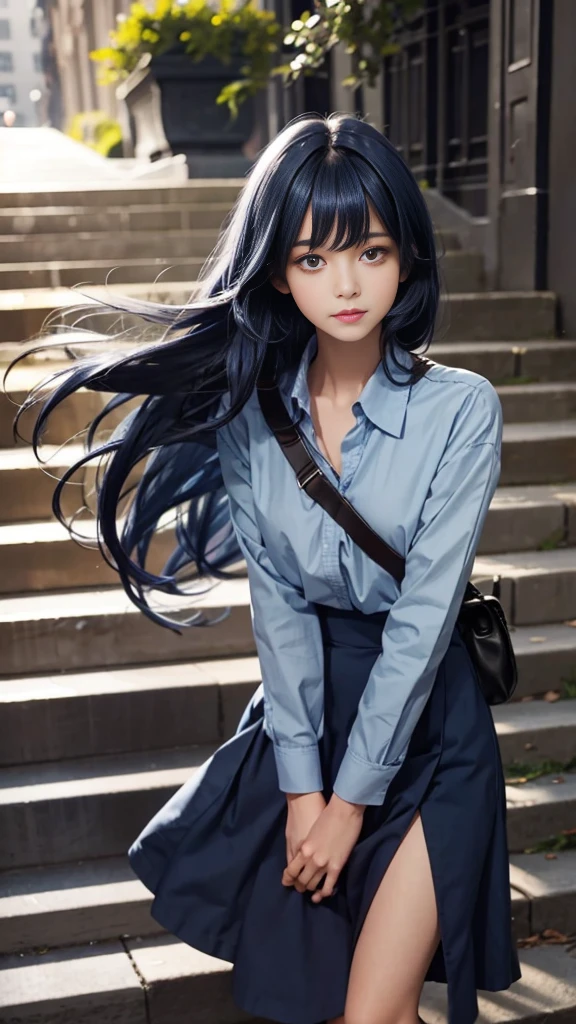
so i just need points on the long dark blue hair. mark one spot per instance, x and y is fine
(215, 345)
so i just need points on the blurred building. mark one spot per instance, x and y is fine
(20, 61)
(72, 28)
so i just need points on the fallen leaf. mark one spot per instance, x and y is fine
(538, 639)
(529, 746)
(551, 935)
(551, 696)
(550, 856)
(559, 778)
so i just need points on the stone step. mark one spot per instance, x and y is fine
(81, 630)
(119, 710)
(542, 400)
(491, 316)
(41, 556)
(527, 518)
(461, 271)
(125, 194)
(537, 586)
(544, 892)
(473, 316)
(98, 900)
(539, 452)
(532, 731)
(508, 362)
(539, 809)
(67, 273)
(532, 454)
(155, 980)
(73, 903)
(34, 222)
(46, 808)
(101, 245)
(546, 656)
(520, 403)
(35, 557)
(29, 487)
(550, 400)
(66, 423)
(88, 629)
(68, 715)
(502, 362)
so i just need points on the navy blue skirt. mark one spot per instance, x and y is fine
(213, 856)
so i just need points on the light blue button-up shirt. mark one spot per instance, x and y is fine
(421, 466)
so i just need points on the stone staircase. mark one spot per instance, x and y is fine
(105, 715)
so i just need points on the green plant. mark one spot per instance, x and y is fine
(199, 29)
(98, 131)
(569, 692)
(219, 28)
(553, 541)
(368, 30)
(516, 773)
(564, 840)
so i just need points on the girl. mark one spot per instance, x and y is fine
(349, 841)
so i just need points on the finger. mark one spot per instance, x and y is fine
(329, 886)
(317, 878)
(311, 874)
(293, 869)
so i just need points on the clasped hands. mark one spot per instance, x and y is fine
(319, 839)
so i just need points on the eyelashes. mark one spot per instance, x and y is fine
(373, 248)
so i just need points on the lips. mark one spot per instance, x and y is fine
(350, 316)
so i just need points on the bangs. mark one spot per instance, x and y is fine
(339, 190)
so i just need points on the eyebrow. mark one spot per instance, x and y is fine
(372, 234)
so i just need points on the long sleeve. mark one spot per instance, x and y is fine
(287, 634)
(419, 626)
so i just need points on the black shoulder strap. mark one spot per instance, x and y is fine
(312, 480)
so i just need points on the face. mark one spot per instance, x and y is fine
(323, 283)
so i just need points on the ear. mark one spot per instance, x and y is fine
(404, 276)
(280, 284)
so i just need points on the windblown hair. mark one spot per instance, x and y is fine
(216, 343)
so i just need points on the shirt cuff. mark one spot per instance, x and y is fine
(362, 782)
(299, 769)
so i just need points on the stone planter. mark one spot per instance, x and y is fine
(171, 104)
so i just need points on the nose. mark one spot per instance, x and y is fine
(345, 280)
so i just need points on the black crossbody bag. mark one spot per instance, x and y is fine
(481, 618)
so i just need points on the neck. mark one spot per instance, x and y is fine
(340, 369)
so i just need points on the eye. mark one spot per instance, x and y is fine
(309, 256)
(377, 250)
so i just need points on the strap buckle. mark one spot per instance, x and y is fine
(302, 483)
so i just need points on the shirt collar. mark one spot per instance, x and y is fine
(381, 401)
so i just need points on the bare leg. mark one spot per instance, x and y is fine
(398, 939)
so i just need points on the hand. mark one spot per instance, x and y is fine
(326, 848)
(303, 810)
